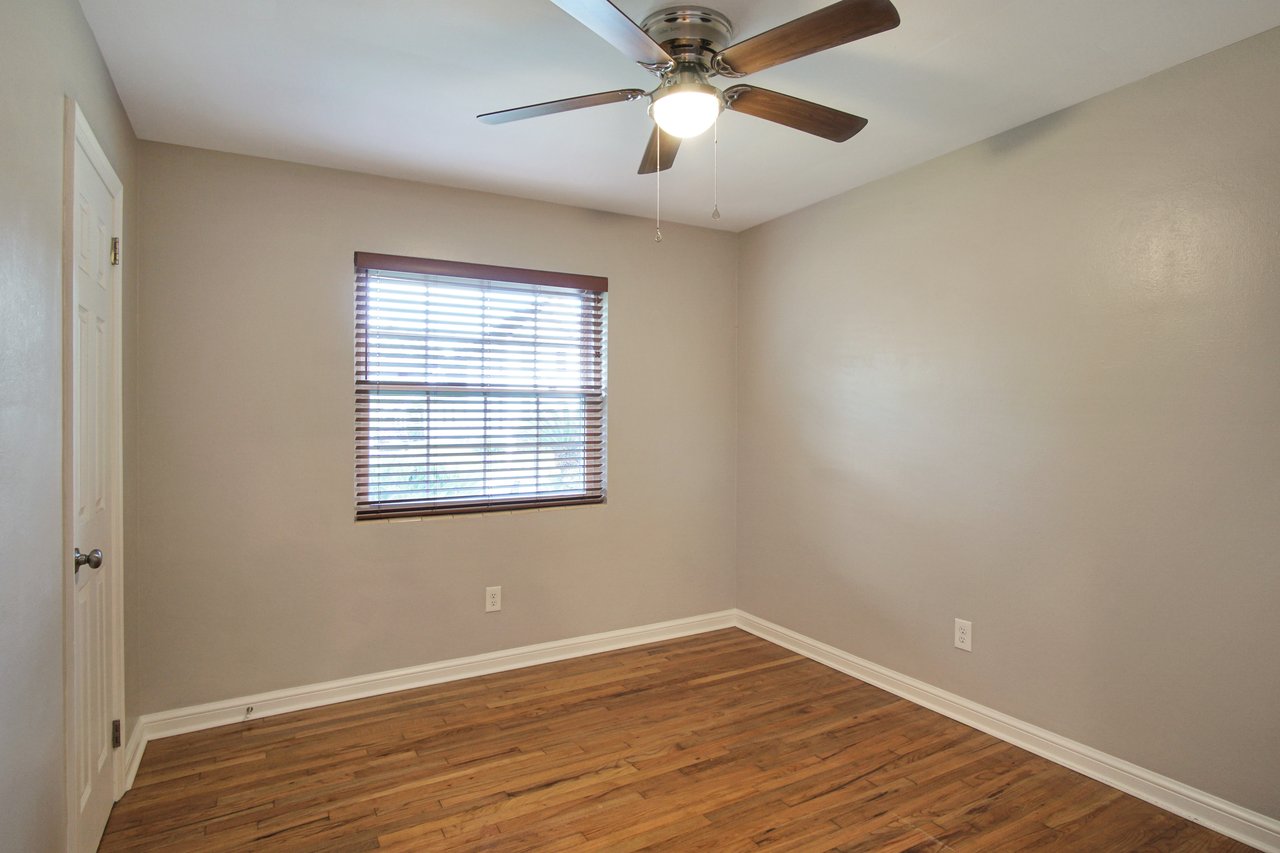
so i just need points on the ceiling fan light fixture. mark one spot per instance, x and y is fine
(686, 109)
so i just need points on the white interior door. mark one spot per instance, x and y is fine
(94, 489)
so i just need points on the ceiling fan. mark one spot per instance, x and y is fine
(685, 46)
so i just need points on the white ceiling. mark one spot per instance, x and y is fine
(392, 87)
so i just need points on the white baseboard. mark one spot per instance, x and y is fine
(1235, 821)
(1213, 812)
(195, 718)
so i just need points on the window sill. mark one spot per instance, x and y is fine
(480, 514)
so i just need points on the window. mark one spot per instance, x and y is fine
(478, 388)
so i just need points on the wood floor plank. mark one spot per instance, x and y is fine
(720, 741)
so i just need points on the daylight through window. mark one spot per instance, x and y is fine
(478, 388)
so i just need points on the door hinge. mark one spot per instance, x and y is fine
(115, 251)
(115, 734)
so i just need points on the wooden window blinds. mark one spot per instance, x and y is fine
(478, 388)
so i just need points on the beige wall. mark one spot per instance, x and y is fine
(46, 54)
(1036, 384)
(251, 574)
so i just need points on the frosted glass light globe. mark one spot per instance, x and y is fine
(686, 111)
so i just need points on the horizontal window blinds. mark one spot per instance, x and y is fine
(477, 388)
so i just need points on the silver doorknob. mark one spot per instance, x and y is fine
(93, 558)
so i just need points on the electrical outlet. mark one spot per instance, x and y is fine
(492, 599)
(964, 635)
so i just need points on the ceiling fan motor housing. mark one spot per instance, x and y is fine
(690, 34)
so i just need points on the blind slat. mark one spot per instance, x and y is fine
(457, 389)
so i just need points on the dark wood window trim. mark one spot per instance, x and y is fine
(480, 272)
(486, 416)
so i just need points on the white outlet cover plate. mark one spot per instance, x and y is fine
(964, 635)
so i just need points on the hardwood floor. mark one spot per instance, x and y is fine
(720, 741)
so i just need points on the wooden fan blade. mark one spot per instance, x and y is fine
(793, 112)
(548, 107)
(670, 145)
(608, 21)
(837, 24)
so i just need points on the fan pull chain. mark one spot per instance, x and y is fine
(657, 223)
(715, 171)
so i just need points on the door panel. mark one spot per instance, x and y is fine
(93, 419)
